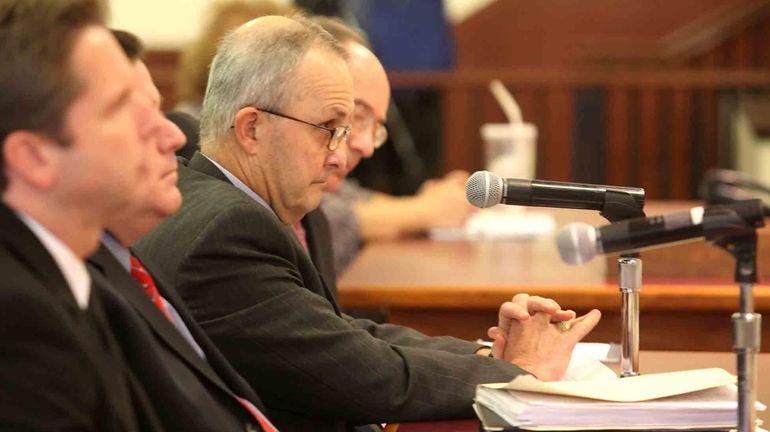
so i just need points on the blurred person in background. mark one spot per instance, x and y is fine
(357, 215)
(424, 42)
(224, 16)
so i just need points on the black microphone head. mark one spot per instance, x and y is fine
(577, 243)
(484, 189)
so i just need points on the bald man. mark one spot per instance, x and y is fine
(357, 215)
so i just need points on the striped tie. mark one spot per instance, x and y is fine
(140, 274)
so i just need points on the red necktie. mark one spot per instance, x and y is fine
(140, 273)
(299, 230)
(261, 419)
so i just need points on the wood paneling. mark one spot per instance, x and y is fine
(650, 142)
(518, 33)
(555, 142)
(660, 117)
(618, 144)
(462, 148)
(681, 144)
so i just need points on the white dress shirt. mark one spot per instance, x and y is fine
(72, 267)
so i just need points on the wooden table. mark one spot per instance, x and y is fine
(650, 361)
(456, 287)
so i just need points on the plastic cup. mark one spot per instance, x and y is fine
(509, 149)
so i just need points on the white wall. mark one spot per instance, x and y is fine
(171, 23)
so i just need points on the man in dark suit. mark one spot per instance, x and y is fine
(187, 379)
(72, 157)
(273, 128)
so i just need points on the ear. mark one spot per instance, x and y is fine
(32, 158)
(248, 125)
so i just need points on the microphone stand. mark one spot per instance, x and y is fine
(734, 230)
(747, 327)
(620, 206)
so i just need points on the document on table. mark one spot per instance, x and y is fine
(692, 399)
(497, 224)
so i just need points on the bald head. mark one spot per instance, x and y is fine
(254, 66)
(371, 91)
(266, 26)
(370, 82)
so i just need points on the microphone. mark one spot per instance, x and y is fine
(721, 186)
(579, 243)
(485, 189)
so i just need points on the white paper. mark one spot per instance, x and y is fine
(499, 223)
(631, 389)
(711, 408)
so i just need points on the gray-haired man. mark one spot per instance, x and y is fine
(274, 127)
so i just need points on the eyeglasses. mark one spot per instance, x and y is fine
(365, 120)
(337, 135)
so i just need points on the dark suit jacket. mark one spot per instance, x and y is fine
(191, 394)
(257, 294)
(318, 237)
(59, 367)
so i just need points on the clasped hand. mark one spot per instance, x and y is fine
(529, 334)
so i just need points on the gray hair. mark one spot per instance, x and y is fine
(254, 65)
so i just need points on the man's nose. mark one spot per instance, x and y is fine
(339, 157)
(174, 138)
(361, 141)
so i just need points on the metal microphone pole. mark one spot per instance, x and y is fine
(484, 189)
(736, 232)
(747, 325)
(630, 283)
(617, 207)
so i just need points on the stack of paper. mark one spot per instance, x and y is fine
(702, 398)
(499, 223)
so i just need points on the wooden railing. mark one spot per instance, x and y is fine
(655, 128)
(658, 128)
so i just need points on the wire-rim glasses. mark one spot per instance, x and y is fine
(337, 135)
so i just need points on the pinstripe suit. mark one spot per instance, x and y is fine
(257, 294)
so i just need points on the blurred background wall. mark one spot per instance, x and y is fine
(170, 24)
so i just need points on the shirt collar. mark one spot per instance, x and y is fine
(120, 252)
(72, 267)
(242, 186)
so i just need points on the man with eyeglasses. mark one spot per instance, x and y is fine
(274, 126)
(357, 215)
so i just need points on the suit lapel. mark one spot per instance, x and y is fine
(121, 281)
(202, 164)
(318, 241)
(23, 243)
